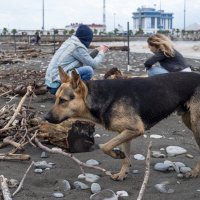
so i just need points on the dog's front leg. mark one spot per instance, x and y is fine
(126, 163)
(123, 138)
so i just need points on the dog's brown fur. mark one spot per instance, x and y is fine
(74, 100)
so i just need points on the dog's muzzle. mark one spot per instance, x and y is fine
(50, 118)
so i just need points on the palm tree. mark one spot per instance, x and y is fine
(71, 32)
(14, 31)
(5, 31)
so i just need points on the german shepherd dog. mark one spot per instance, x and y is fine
(129, 107)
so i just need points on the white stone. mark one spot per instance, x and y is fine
(89, 177)
(97, 136)
(155, 136)
(122, 193)
(139, 157)
(95, 188)
(163, 188)
(161, 167)
(104, 194)
(80, 185)
(58, 194)
(175, 150)
(92, 162)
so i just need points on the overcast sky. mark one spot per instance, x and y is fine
(27, 14)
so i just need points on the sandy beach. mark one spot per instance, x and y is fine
(173, 132)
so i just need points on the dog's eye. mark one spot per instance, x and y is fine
(71, 96)
(62, 101)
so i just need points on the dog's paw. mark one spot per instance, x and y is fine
(118, 154)
(192, 174)
(118, 176)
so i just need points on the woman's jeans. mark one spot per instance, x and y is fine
(85, 72)
(160, 70)
(156, 70)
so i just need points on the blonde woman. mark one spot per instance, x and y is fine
(166, 58)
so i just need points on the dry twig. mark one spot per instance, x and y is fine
(147, 172)
(9, 156)
(4, 188)
(76, 160)
(22, 181)
(28, 93)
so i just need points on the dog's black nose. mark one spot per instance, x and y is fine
(51, 118)
(48, 117)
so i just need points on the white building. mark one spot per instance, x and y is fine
(96, 28)
(151, 20)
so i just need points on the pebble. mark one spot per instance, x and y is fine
(80, 185)
(122, 193)
(12, 183)
(163, 187)
(145, 136)
(189, 155)
(58, 194)
(185, 169)
(38, 171)
(42, 165)
(180, 175)
(139, 157)
(162, 167)
(92, 162)
(89, 177)
(97, 136)
(178, 165)
(135, 171)
(155, 136)
(67, 185)
(175, 150)
(44, 155)
(106, 194)
(157, 154)
(95, 188)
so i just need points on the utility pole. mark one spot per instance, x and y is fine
(104, 15)
(114, 20)
(184, 14)
(43, 15)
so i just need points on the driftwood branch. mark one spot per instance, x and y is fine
(28, 93)
(4, 188)
(8, 140)
(147, 172)
(6, 93)
(69, 155)
(22, 181)
(14, 157)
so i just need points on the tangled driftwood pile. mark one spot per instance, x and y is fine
(19, 80)
(20, 55)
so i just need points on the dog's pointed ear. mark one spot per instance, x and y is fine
(75, 79)
(64, 77)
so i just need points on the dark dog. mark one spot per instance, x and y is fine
(114, 73)
(129, 106)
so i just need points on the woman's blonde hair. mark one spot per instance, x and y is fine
(162, 43)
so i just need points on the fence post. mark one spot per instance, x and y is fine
(14, 41)
(128, 52)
